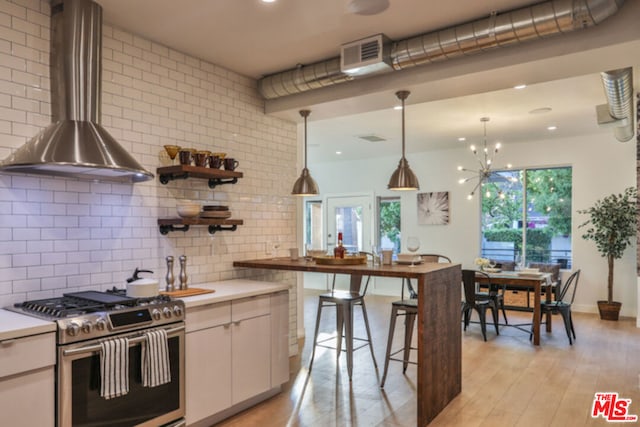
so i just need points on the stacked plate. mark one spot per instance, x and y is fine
(215, 212)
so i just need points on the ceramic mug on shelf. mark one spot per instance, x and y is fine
(215, 161)
(185, 157)
(230, 164)
(201, 158)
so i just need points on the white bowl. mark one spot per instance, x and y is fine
(408, 257)
(316, 252)
(188, 210)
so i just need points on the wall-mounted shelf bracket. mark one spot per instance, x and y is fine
(214, 228)
(166, 228)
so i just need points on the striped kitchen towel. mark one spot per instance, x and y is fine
(155, 359)
(114, 367)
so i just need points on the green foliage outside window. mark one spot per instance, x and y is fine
(390, 221)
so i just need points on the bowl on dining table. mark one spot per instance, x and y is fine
(316, 252)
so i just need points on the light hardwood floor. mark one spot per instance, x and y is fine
(506, 381)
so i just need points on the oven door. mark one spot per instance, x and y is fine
(78, 386)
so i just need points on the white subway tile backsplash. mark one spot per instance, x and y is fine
(92, 235)
(40, 271)
(25, 260)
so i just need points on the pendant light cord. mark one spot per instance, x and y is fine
(305, 114)
(402, 95)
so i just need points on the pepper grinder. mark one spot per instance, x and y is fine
(170, 277)
(183, 272)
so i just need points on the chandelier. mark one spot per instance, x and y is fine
(486, 177)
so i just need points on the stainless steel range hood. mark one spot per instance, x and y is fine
(76, 145)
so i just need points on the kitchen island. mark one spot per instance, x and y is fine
(439, 332)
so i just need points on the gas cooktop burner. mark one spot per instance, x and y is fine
(79, 303)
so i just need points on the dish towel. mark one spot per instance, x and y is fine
(155, 359)
(114, 367)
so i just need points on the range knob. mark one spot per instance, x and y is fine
(167, 312)
(155, 313)
(87, 327)
(177, 310)
(101, 324)
(73, 329)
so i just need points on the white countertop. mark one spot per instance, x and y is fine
(227, 290)
(16, 325)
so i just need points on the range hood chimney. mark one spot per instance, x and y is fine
(76, 145)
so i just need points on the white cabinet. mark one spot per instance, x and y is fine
(208, 350)
(279, 338)
(27, 385)
(235, 352)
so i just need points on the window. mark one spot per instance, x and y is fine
(389, 223)
(313, 224)
(527, 213)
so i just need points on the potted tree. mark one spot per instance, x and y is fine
(611, 225)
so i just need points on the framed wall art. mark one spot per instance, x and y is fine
(433, 208)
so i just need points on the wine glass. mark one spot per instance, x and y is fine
(413, 244)
(518, 261)
(492, 263)
(172, 151)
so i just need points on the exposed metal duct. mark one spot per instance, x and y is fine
(528, 23)
(618, 88)
(76, 145)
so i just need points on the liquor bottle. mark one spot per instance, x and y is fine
(339, 250)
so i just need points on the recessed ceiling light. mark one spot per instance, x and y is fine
(462, 139)
(542, 110)
(552, 127)
(338, 152)
(398, 107)
(520, 86)
(268, 1)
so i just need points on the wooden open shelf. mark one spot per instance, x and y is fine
(214, 176)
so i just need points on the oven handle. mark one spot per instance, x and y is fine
(97, 347)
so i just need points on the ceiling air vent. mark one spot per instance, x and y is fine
(366, 56)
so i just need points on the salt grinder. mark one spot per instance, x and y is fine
(170, 277)
(183, 272)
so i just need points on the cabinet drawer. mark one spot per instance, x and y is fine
(247, 308)
(208, 316)
(26, 354)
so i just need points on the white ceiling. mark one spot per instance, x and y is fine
(256, 39)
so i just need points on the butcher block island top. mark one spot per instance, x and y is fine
(439, 331)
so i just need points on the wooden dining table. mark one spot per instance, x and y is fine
(525, 281)
(439, 331)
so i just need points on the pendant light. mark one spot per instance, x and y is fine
(403, 178)
(305, 185)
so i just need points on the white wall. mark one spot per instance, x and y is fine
(601, 166)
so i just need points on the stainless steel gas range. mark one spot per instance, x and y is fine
(85, 320)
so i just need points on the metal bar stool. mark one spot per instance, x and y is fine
(409, 309)
(344, 302)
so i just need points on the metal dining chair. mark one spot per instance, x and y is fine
(564, 298)
(472, 302)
